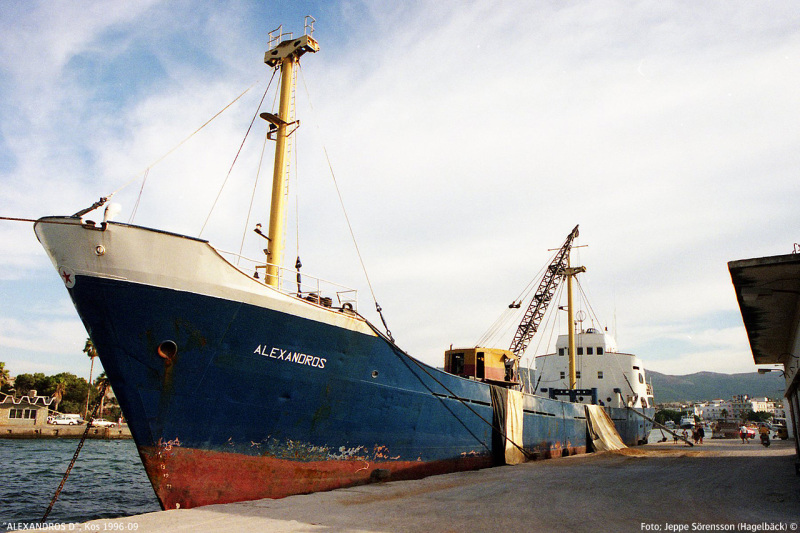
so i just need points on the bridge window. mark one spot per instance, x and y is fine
(561, 351)
(589, 350)
(563, 375)
(600, 374)
(599, 350)
(580, 350)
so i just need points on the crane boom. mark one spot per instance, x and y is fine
(553, 275)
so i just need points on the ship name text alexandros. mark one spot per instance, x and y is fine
(289, 356)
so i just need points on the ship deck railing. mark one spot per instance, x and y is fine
(312, 289)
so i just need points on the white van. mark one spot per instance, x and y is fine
(67, 420)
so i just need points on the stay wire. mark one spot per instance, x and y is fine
(347, 218)
(252, 121)
(183, 141)
(252, 198)
(594, 315)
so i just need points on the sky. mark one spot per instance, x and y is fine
(467, 138)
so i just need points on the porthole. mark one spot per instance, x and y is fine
(374, 373)
(167, 349)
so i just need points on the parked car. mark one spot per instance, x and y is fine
(68, 420)
(751, 432)
(99, 422)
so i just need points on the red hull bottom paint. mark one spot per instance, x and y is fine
(185, 478)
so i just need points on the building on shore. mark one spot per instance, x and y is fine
(768, 292)
(736, 409)
(26, 411)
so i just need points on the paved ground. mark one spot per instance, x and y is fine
(658, 487)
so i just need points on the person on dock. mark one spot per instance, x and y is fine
(743, 434)
(700, 434)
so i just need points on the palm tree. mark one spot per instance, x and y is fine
(90, 351)
(58, 395)
(102, 379)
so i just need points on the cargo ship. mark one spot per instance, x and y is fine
(240, 385)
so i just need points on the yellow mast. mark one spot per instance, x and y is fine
(286, 55)
(570, 273)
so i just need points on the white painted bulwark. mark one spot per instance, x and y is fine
(167, 260)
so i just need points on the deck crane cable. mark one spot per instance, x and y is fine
(553, 316)
(507, 318)
(96, 406)
(404, 357)
(552, 277)
(344, 212)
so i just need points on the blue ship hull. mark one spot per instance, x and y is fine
(258, 403)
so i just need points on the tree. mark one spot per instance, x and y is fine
(757, 416)
(90, 351)
(102, 380)
(724, 413)
(58, 395)
(4, 376)
(668, 414)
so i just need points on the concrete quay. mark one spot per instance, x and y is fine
(63, 432)
(720, 485)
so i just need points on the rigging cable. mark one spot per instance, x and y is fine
(139, 196)
(616, 360)
(252, 197)
(507, 319)
(179, 144)
(347, 218)
(104, 199)
(240, 148)
(554, 317)
(403, 356)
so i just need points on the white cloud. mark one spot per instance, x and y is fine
(467, 139)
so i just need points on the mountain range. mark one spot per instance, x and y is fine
(703, 386)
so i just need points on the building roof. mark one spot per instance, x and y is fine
(768, 292)
(10, 401)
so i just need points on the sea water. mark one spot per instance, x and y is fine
(107, 481)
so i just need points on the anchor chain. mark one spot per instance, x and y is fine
(75, 457)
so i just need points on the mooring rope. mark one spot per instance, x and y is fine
(75, 457)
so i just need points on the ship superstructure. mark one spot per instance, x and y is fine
(619, 378)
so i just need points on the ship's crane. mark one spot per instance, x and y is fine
(553, 274)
